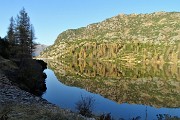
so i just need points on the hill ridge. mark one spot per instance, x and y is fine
(116, 38)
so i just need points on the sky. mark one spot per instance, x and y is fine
(52, 17)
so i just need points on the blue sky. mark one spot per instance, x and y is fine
(51, 17)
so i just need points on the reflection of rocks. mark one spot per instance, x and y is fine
(94, 69)
(130, 91)
(141, 85)
(109, 70)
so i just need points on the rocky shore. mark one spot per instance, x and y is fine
(18, 104)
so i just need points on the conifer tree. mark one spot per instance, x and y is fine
(11, 32)
(11, 37)
(31, 38)
(20, 35)
(24, 34)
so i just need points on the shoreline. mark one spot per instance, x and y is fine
(18, 104)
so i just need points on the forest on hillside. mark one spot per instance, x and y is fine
(130, 39)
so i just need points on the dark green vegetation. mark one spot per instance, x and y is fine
(136, 38)
(4, 48)
(20, 36)
(19, 40)
(16, 56)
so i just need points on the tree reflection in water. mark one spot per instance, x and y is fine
(153, 85)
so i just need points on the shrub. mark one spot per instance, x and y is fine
(85, 105)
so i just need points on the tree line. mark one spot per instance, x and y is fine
(19, 41)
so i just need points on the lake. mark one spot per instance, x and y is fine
(126, 91)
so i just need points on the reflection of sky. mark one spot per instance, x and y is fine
(66, 97)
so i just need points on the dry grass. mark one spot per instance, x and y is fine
(12, 111)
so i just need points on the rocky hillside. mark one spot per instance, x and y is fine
(151, 37)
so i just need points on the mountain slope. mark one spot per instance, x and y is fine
(136, 38)
(38, 49)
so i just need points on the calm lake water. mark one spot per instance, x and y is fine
(125, 91)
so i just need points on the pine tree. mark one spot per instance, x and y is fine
(23, 31)
(11, 32)
(11, 37)
(31, 38)
(20, 35)
(24, 34)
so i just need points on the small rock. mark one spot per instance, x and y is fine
(37, 98)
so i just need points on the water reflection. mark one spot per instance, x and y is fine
(127, 91)
(153, 85)
(66, 97)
